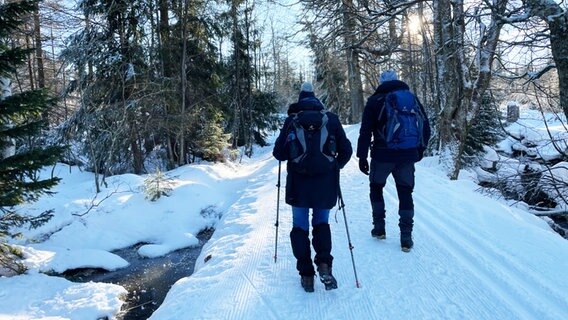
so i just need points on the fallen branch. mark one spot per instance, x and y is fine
(545, 212)
(95, 204)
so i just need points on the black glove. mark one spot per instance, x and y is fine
(364, 165)
(420, 153)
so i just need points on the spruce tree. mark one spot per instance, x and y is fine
(157, 185)
(485, 131)
(20, 120)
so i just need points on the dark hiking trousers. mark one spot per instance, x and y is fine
(301, 248)
(300, 241)
(322, 244)
(403, 174)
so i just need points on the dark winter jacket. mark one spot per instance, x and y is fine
(371, 125)
(313, 191)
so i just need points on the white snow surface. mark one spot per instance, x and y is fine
(555, 183)
(547, 133)
(474, 257)
(39, 296)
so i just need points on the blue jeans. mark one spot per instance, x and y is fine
(301, 216)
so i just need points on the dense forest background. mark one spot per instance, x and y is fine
(178, 80)
(138, 86)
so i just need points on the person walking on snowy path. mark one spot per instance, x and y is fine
(398, 124)
(315, 146)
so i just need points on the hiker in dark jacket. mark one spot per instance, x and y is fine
(307, 190)
(385, 161)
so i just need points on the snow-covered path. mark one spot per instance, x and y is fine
(474, 258)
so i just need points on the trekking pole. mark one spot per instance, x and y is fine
(342, 207)
(277, 212)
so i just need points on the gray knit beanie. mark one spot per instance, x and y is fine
(307, 87)
(388, 75)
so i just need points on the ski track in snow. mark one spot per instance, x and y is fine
(494, 267)
(451, 273)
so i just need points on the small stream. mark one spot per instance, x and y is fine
(147, 280)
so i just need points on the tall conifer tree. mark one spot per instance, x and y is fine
(20, 118)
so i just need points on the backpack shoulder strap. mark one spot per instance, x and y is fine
(324, 118)
(382, 97)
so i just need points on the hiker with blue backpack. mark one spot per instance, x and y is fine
(315, 146)
(400, 131)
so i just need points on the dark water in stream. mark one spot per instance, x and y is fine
(147, 280)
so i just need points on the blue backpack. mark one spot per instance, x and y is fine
(405, 121)
(311, 148)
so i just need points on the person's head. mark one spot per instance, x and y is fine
(306, 90)
(388, 75)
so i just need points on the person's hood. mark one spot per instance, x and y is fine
(305, 104)
(390, 86)
(305, 94)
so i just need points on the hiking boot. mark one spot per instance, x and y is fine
(379, 215)
(378, 233)
(307, 283)
(406, 243)
(326, 277)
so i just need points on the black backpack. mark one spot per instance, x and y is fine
(311, 148)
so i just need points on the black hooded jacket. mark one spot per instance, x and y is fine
(313, 191)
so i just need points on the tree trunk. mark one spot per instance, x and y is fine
(164, 42)
(557, 20)
(30, 65)
(427, 78)
(248, 100)
(181, 138)
(460, 98)
(39, 56)
(352, 57)
(164, 19)
(449, 83)
(5, 91)
(137, 159)
(236, 99)
(559, 45)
